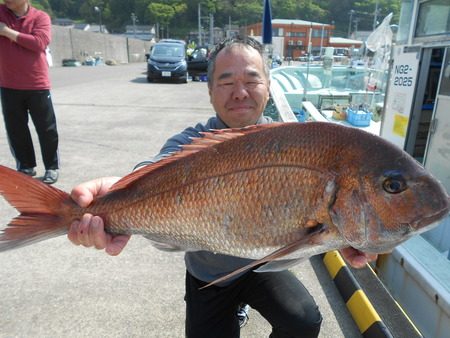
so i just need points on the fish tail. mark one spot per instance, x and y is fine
(45, 211)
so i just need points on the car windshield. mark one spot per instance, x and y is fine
(168, 50)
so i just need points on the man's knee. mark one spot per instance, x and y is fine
(305, 326)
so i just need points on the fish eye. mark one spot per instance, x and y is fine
(394, 183)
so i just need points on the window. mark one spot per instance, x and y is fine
(433, 18)
(278, 31)
(296, 34)
(317, 33)
(406, 13)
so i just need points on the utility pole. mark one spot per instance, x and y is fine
(356, 20)
(134, 19)
(350, 22)
(199, 24)
(375, 16)
(211, 29)
(321, 39)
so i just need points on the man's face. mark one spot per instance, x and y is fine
(240, 88)
(16, 5)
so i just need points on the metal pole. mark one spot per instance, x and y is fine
(321, 39)
(356, 20)
(134, 19)
(99, 11)
(305, 90)
(211, 29)
(309, 40)
(350, 22)
(375, 16)
(199, 24)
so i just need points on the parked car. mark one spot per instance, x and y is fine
(173, 41)
(197, 62)
(167, 61)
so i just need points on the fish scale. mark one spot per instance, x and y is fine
(275, 191)
(203, 210)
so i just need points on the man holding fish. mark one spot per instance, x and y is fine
(241, 193)
(238, 84)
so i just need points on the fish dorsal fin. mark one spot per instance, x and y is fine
(208, 139)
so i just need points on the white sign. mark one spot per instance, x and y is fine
(400, 95)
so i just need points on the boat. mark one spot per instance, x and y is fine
(348, 95)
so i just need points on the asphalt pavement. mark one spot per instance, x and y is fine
(109, 119)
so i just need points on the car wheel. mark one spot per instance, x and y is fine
(149, 80)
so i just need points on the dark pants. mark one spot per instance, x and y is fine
(16, 105)
(278, 296)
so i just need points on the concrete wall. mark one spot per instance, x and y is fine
(70, 43)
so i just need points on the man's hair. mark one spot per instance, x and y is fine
(227, 43)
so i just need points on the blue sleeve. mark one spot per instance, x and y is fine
(174, 143)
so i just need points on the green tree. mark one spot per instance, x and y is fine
(163, 13)
(90, 14)
(122, 10)
(366, 10)
(141, 10)
(65, 8)
(116, 14)
(42, 5)
(338, 14)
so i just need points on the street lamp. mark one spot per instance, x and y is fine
(99, 11)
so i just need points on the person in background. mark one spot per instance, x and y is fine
(238, 84)
(25, 34)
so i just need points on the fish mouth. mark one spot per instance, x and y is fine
(407, 231)
(426, 223)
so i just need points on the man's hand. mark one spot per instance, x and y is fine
(2, 27)
(8, 32)
(90, 231)
(356, 258)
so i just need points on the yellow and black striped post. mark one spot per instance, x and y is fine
(364, 314)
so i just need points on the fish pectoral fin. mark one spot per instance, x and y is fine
(284, 251)
(164, 246)
(279, 265)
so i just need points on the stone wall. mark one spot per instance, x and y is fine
(68, 43)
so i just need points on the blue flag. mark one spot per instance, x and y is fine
(267, 23)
